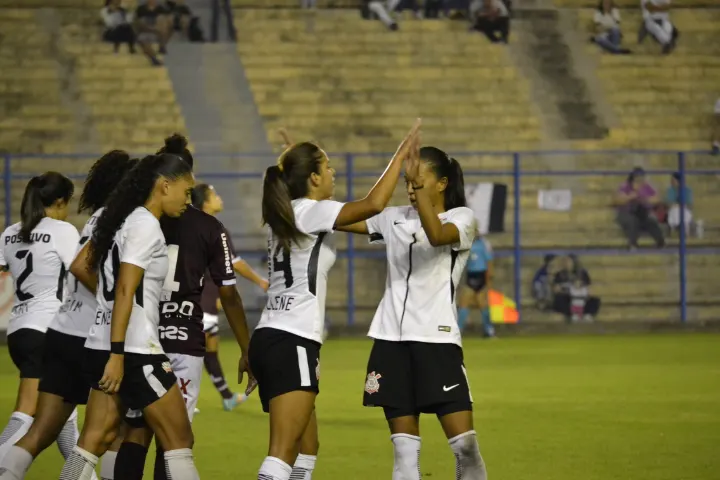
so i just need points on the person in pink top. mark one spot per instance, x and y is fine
(635, 200)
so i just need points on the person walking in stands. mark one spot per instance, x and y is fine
(635, 200)
(479, 274)
(656, 22)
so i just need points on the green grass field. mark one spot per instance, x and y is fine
(643, 407)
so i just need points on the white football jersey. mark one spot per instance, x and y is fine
(298, 277)
(77, 314)
(140, 242)
(39, 270)
(419, 300)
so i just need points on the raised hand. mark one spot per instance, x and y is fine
(287, 141)
(412, 160)
(404, 147)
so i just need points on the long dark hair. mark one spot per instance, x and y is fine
(444, 166)
(177, 145)
(285, 182)
(103, 177)
(200, 195)
(132, 192)
(41, 192)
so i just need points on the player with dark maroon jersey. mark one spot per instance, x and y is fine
(205, 198)
(199, 251)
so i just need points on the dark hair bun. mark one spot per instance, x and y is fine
(176, 144)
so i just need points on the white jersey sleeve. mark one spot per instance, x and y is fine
(66, 243)
(378, 225)
(141, 243)
(313, 217)
(3, 242)
(464, 219)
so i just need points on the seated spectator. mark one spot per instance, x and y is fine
(672, 201)
(656, 22)
(492, 18)
(383, 10)
(541, 287)
(182, 20)
(716, 129)
(118, 25)
(572, 296)
(153, 25)
(607, 28)
(635, 200)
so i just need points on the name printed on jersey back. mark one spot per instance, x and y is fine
(280, 303)
(35, 237)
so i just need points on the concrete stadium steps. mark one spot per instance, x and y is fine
(632, 4)
(663, 101)
(28, 4)
(33, 116)
(351, 85)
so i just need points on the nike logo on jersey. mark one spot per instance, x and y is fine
(447, 389)
(397, 222)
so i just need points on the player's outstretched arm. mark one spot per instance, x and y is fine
(235, 313)
(246, 271)
(80, 268)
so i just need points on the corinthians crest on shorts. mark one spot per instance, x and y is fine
(372, 385)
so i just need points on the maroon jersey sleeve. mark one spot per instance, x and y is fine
(220, 265)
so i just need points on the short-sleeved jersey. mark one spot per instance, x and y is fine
(298, 277)
(39, 270)
(197, 244)
(481, 253)
(419, 299)
(139, 241)
(77, 314)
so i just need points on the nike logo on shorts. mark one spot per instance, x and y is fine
(447, 389)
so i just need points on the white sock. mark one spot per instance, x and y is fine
(274, 469)
(16, 463)
(80, 465)
(107, 466)
(68, 436)
(469, 464)
(407, 457)
(303, 468)
(179, 465)
(16, 428)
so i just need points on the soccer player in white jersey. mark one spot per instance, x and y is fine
(37, 251)
(285, 348)
(63, 386)
(416, 363)
(128, 252)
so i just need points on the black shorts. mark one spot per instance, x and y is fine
(477, 280)
(26, 348)
(62, 367)
(283, 362)
(147, 378)
(94, 366)
(410, 378)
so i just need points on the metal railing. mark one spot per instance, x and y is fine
(520, 166)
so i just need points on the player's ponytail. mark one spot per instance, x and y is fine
(133, 191)
(285, 182)
(446, 167)
(42, 192)
(277, 210)
(103, 177)
(176, 144)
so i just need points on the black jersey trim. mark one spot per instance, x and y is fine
(376, 237)
(140, 293)
(61, 283)
(453, 259)
(313, 263)
(407, 281)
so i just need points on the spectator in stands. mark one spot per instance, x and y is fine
(716, 129)
(383, 10)
(656, 22)
(541, 288)
(672, 201)
(118, 25)
(180, 16)
(492, 18)
(308, 3)
(635, 200)
(572, 295)
(607, 28)
(153, 24)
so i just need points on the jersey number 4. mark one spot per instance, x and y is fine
(283, 265)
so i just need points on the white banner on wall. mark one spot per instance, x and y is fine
(7, 297)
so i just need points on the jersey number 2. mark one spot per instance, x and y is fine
(27, 255)
(283, 265)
